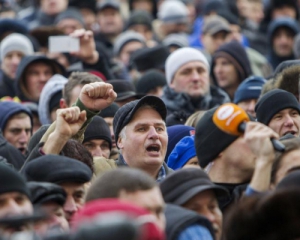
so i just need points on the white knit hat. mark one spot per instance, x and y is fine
(180, 57)
(15, 42)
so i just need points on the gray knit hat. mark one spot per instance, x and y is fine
(180, 57)
(176, 39)
(126, 37)
(16, 42)
(173, 11)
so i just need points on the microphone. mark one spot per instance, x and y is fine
(232, 119)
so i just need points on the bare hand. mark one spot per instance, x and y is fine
(69, 121)
(258, 136)
(87, 51)
(97, 96)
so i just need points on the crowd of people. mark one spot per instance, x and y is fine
(121, 138)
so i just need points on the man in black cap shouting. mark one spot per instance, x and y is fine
(279, 110)
(141, 135)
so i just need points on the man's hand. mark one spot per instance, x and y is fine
(258, 137)
(87, 50)
(97, 96)
(68, 122)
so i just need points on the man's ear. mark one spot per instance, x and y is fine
(63, 103)
(120, 143)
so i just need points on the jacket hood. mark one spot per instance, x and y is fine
(10, 108)
(55, 84)
(236, 54)
(282, 22)
(26, 61)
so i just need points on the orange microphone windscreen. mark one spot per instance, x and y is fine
(228, 118)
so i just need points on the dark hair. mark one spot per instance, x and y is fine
(75, 79)
(273, 216)
(112, 182)
(74, 149)
(290, 145)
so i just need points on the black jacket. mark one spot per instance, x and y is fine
(7, 88)
(12, 155)
(178, 219)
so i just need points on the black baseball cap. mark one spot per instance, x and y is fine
(125, 113)
(182, 185)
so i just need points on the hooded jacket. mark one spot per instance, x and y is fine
(181, 101)
(55, 84)
(20, 82)
(8, 109)
(236, 54)
(287, 23)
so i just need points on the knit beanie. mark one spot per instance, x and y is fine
(150, 80)
(175, 134)
(250, 88)
(70, 13)
(235, 53)
(12, 181)
(176, 39)
(273, 102)
(98, 129)
(210, 141)
(110, 111)
(180, 57)
(8, 109)
(173, 11)
(15, 42)
(126, 37)
(182, 153)
(139, 17)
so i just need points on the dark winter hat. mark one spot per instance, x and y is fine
(273, 102)
(79, 4)
(70, 13)
(108, 4)
(177, 118)
(124, 89)
(127, 37)
(175, 134)
(182, 185)
(12, 25)
(150, 80)
(280, 22)
(149, 58)
(210, 141)
(56, 169)
(182, 153)
(98, 129)
(12, 181)
(43, 192)
(110, 111)
(8, 109)
(126, 112)
(212, 6)
(250, 88)
(139, 17)
(179, 40)
(235, 53)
